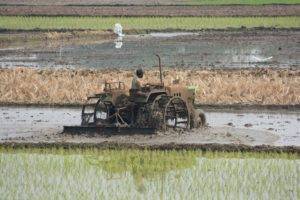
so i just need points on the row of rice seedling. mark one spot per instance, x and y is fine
(134, 174)
(143, 23)
(64, 86)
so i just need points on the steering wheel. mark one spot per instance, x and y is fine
(147, 85)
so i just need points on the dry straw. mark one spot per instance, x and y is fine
(65, 86)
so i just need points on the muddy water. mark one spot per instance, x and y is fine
(206, 49)
(24, 122)
(32, 121)
(284, 124)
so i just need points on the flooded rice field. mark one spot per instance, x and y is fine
(93, 173)
(132, 174)
(220, 49)
(282, 127)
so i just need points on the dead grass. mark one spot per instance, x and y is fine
(53, 38)
(65, 86)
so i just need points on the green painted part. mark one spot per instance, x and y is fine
(193, 88)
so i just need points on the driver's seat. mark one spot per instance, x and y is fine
(135, 97)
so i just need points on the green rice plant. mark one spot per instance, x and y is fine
(144, 23)
(145, 174)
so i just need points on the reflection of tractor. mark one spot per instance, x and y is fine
(159, 108)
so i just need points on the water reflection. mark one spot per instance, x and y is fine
(179, 50)
(143, 165)
(118, 42)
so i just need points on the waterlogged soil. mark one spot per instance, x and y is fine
(45, 125)
(213, 49)
(93, 2)
(284, 124)
(135, 10)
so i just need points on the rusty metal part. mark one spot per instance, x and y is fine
(176, 115)
(106, 130)
(153, 107)
(160, 70)
(101, 112)
(88, 111)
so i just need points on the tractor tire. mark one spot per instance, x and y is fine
(198, 119)
(202, 117)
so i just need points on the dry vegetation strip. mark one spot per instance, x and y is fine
(65, 86)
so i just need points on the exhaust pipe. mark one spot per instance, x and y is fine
(160, 70)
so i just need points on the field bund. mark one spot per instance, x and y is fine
(71, 87)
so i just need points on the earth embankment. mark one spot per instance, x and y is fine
(138, 10)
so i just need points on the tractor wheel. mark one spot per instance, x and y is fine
(198, 119)
(125, 107)
(176, 115)
(87, 112)
(157, 112)
(170, 113)
(101, 112)
(202, 117)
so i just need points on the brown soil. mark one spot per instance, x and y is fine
(231, 10)
(223, 139)
(170, 146)
(212, 139)
(223, 49)
(10, 38)
(93, 2)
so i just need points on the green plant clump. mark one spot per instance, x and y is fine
(144, 23)
(137, 174)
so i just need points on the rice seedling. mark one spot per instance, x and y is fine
(65, 86)
(144, 23)
(137, 174)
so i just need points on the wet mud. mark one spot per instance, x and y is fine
(284, 124)
(243, 130)
(37, 125)
(99, 2)
(136, 10)
(213, 49)
(92, 2)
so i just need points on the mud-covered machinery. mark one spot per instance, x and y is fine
(154, 108)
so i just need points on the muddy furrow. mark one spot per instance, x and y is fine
(230, 10)
(252, 128)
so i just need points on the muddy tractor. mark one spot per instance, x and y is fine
(155, 107)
